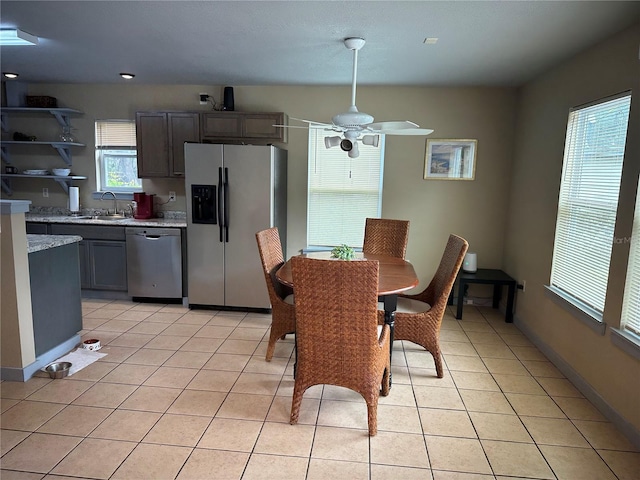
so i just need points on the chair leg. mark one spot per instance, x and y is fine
(271, 347)
(298, 392)
(372, 414)
(437, 357)
(385, 383)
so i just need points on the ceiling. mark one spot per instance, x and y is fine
(490, 43)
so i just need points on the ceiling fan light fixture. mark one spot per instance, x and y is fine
(373, 140)
(331, 141)
(354, 152)
(127, 76)
(14, 36)
(347, 145)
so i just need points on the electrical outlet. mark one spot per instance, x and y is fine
(172, 196)
(45, 192)
(203, 98)
(522, 285)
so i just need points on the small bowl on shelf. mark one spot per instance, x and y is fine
(58, 369)
(61, 172)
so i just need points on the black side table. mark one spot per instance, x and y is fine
(489, 276)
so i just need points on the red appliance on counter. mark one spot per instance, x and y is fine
(144, 205)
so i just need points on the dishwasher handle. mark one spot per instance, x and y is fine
(152, 233)
(152, 236)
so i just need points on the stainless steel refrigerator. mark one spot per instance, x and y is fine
(233, 191)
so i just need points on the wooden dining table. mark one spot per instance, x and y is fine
(395, 276)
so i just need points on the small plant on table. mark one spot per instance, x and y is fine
(343, 252)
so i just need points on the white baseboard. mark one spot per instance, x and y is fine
(16, 374)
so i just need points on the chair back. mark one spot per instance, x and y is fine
(272, 258)
(450, 264)
(383, 236)
(336, 318)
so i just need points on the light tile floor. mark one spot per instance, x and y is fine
(188, 395)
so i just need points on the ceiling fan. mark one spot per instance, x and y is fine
(358, 126)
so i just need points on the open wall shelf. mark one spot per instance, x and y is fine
(62, 116)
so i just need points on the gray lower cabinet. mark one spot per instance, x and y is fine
(55, 296)
(103, 255)
(107, 264)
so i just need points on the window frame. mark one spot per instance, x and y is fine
(626, 338)
(114, 146)
(586, 310)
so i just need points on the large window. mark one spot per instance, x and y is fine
(630, 321)
(342, 191)
(588, 201)
(116, 160)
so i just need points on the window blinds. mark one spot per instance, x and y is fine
(115, 133)
(588, 200)
(342, 191)
(631, 304)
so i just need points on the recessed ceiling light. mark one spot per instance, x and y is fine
(12, 36)
(10, 75)
(430, 40)
(127, 76)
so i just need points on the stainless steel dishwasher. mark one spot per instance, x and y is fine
(154, 262)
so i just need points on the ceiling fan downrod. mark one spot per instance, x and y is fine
(352, 118)
(355, 44)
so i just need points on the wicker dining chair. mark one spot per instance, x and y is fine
(419, 317)
(385, 236)
(337, 340)
(283, 314)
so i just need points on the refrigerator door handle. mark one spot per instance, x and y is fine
(220, 193)
(226, 204)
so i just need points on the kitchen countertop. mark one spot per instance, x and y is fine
(126, 222)
(36, 243)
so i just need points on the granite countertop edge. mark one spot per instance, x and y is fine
(127, 222)
(37, 243)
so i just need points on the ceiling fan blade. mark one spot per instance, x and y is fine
(402, 125)
(312, 122)
(408, 131)
(291, 126)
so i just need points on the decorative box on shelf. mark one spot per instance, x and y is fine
(41, 101)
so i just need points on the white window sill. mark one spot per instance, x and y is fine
(626, 341)
(582, 312)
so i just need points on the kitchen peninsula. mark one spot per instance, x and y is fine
(41, 311)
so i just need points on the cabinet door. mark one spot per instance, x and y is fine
(261, 125)
(108, 265)
(183, 127)
(152, 144)
(221, 124)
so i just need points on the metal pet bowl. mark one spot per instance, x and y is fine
(58, 369)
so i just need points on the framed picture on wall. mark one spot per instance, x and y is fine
(450, 159)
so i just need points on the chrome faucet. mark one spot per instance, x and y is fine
(115, 202)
